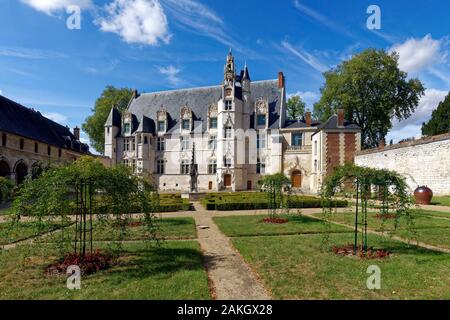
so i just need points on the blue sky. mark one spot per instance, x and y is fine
(183, 43)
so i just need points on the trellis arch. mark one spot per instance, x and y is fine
(392, 193)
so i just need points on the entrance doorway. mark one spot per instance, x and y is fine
(227, 180)
(249, 185)
(296, 179)
(210, 185)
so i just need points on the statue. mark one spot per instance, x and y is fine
(194, 172)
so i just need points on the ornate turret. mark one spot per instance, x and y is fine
(229, 70)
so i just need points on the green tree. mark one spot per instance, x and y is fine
(94, 124)
(373, 91)
(440, 120)
(295, 108)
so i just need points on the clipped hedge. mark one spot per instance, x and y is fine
(258, 201)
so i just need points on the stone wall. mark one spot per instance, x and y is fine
(422, 162)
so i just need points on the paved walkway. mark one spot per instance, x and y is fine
(231, 277)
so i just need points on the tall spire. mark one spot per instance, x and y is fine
(246, 74)
(229, 72)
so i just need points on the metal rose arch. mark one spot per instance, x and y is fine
(387, 187)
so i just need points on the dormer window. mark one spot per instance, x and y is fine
(127, 128)
(186, 124)
(212, 117)
(186, 118)
(161, 126)
(261, 111)
(261, 120)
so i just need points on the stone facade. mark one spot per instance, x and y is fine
(240, 132)
(421, 162)
(27, 138)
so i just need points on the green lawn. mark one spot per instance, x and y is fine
(426, 228)
(170, 229)
(294, 267)
(253, 226)
(11, 233)
(441, 201)
(174, 271)
(433, 213)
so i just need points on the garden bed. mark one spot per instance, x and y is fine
(370, 253)
(89, 264)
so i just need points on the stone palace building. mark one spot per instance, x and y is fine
(236, 133)
(27, 138)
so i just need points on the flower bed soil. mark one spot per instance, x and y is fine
(89, 264)
(275, 221)
(371, 253)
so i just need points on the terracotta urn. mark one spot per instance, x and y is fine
(423, 195)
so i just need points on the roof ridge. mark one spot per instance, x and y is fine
(198, 88)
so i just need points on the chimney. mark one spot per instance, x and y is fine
(281, 80)
(308, 119)
(340, 116)
(76, 133)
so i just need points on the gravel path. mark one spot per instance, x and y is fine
(230, 275)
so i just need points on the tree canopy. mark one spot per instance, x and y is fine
(373, 91)
(94, 124)
(440, 120)
(295, 107)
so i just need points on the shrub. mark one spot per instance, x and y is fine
(258, 201)
(6, 189)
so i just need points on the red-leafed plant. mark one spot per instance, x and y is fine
(370, 253)
(89, 263)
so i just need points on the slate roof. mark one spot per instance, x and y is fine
(332, 124)
(31, 124)
(199, 100)
(295, 124)
(114, 118)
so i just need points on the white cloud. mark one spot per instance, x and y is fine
(171, 72)
(136, 21)
(412, 127)
(305, 57)
(1, 92)
(51, 6)
(418, 54)
(57, 117)
(196, 17)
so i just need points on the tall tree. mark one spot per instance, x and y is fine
(440, 120)
(372, 90)
(94, 124)
(295, 108)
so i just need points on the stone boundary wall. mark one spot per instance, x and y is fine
(422, 162)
